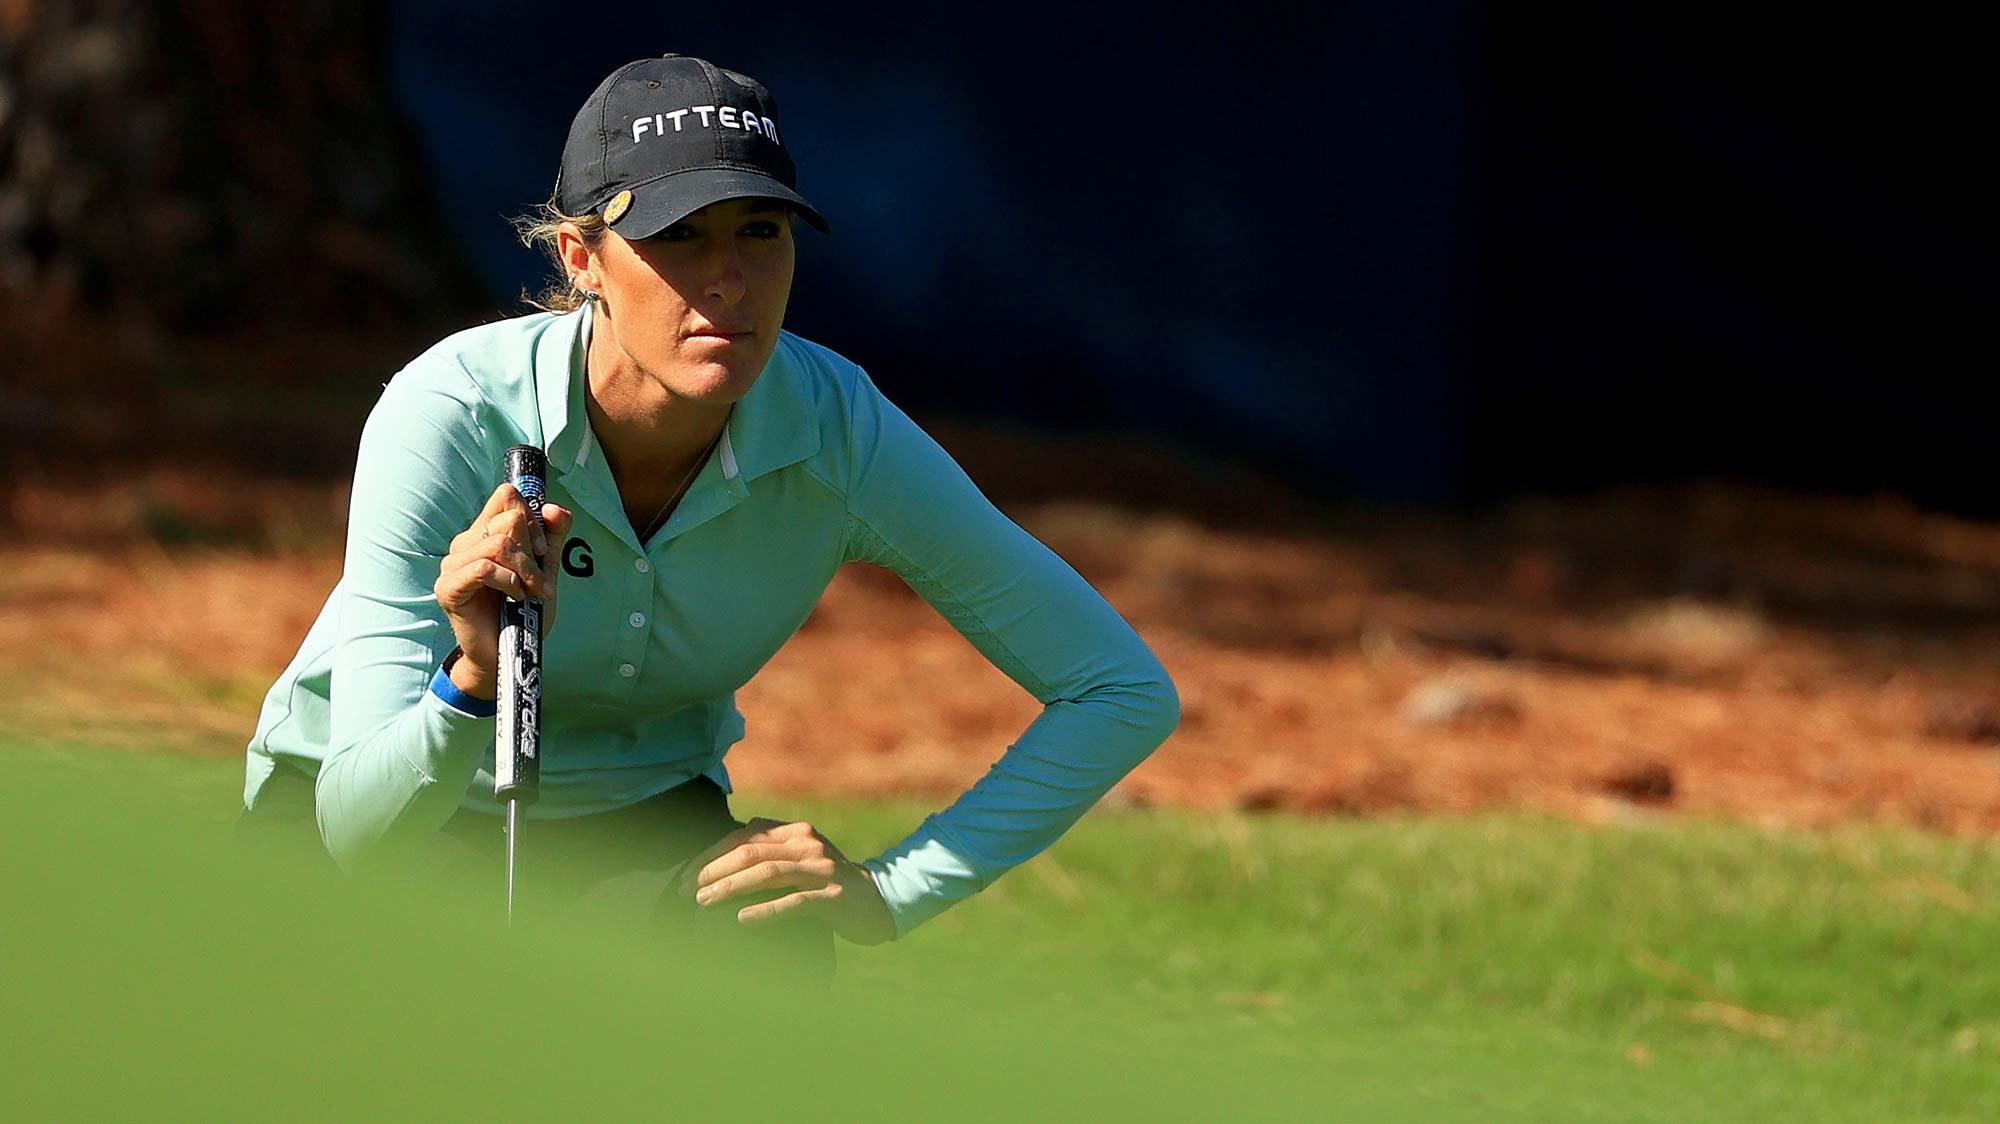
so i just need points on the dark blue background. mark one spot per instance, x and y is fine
(1402, 251)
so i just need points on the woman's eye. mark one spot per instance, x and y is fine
(682, 232)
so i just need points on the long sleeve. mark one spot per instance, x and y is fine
(1107, 701)
(400, 757)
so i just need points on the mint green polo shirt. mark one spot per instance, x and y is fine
(815, 468)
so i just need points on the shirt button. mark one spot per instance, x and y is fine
(627, 670)
(642, 566)
(638, 620)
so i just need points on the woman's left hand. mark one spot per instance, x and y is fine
(766, 855)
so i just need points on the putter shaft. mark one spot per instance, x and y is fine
(513, 835)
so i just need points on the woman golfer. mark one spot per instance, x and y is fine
(708, 474)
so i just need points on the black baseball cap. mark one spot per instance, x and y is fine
(662, 138)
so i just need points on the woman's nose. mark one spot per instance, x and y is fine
(725, 273)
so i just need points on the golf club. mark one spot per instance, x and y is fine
(517, 766)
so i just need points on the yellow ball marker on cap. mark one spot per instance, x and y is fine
(615, 210)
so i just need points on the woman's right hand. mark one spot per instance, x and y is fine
(497, 555)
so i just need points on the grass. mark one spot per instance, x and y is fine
(1153, 965)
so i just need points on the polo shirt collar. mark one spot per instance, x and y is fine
(559, 365)
(776, 424)
(773, 426)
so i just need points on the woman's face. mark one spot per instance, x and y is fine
(698, 305)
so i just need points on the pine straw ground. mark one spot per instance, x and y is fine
(1702, 652)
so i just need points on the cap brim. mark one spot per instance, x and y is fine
(669, 199)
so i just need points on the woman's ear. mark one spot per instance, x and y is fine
(570, 247)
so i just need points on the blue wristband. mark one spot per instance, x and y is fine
(444, 688)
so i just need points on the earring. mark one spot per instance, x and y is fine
(592, 295)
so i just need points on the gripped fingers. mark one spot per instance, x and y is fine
(756, 830)
(459, 588)
(502, 496)
(746, 855)
(553, 529)
(764, 867)
(556, 520)
(519, 524)
(822, 897)
(505, 551)
(752, 831)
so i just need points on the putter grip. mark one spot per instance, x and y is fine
(517, 748)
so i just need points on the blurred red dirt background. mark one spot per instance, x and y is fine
(1705, 651)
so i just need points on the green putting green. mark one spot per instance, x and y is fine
(1153, 965)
